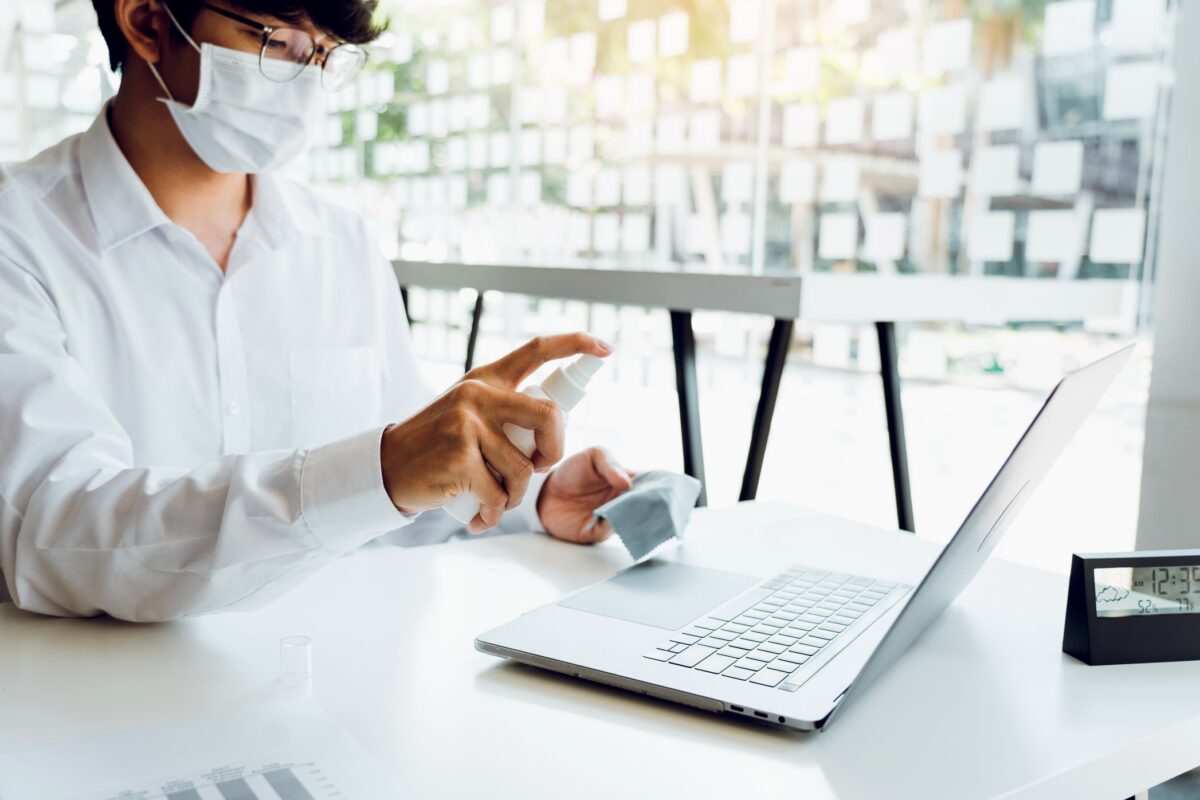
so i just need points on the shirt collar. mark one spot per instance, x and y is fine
(122, 207)
(120, 203)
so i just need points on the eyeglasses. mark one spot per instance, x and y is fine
(286, 52)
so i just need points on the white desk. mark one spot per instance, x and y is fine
(858, 298)
(985, 705)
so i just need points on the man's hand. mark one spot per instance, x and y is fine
(447, 447)
(575, 489)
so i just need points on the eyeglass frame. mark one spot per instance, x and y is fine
(269, 30)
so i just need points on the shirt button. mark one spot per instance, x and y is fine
(235, 408)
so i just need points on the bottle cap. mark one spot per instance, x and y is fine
(566, 385)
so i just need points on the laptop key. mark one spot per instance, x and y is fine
(769, 677)
(709, 623)
(692, 656)
(677, 647)
(751, 664)
(732, 651)
(814, 641)
(711, 641)
(738, 673)
(727, 636)
(800, 648)
(759, 655)
(767, 647)
(783, 665)
(697, 631)
(792, 658)
(735, 627)
(660, 655)
(820, 634)
(685, 638)
(715, 663)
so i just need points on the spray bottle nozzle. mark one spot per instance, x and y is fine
(583, 368)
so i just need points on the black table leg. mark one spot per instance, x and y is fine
(684, 340)
(890, 372)
(404, 300)
(777, 349)
(473, 336)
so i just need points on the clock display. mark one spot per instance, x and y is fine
(1145, 590)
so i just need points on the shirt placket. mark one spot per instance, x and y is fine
(231, 372)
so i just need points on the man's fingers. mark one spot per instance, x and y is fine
(508, 372)
(607, 467)
(543, 417)
(597, 530)
(491, 496)
(514, 467)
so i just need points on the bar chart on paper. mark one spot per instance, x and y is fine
(291, 750)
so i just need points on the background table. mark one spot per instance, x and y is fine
(985, 705)
(786, 298)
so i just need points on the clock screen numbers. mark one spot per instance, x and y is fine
(1140, 591)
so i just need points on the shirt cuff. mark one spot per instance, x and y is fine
(525, 516)
(342, 498)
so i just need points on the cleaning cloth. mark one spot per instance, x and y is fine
(653, 512)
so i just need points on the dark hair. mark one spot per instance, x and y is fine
(344, 20)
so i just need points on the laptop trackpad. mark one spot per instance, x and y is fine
(664, 594)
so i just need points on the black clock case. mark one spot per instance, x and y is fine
(1126, 640)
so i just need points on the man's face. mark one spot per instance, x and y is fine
(180, 64)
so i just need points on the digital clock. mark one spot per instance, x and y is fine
(1125, 608)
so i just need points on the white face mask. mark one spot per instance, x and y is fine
(242, 121)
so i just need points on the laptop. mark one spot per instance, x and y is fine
(779, 631)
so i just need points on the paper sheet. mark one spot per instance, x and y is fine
(1118, 235)
(1052, 236)
(1069, 26)
(943, 110)
(641, 39)
(995, 171)
(743, 75)
(671, 135)
(635, 183)
(884, 238)
(844, 121)
(800, 121)
(802, 68)
(838, 236)
(897, 53)
(292, 750)
(797, 182)
(706, 80)
(612, 9)
(1131, 90)
(673, 34)
(735, 233)
(635, 233)
(892, 117)
(704, 131)
(940, 174)
(606, 233)
(991, 236)
(1001, 104)
(947, 47)
(840, 180)
(607, 190)
(737, 182)
(1057, 167)
(744, 19)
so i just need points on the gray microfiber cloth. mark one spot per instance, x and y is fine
(652, 513)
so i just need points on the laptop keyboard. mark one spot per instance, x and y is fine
(804, 618)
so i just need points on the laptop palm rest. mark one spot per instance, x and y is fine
(664, 594)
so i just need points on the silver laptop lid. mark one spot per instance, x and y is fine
(1047, 436)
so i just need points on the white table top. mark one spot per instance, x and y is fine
(817, 297)
(985, 705)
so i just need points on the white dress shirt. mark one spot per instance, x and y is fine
(174, 439)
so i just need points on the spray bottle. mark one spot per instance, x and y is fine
(565, 386)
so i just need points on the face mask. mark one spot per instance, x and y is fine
(242, 121)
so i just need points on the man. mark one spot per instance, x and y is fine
(207, 386)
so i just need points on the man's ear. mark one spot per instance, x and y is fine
(145, 26)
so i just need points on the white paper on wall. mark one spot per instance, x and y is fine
(608, 92)
(635, 233)
(735, 233)
(439, 118)
(579, 232)
(696, 241)
(943, 110)
(582, 144)
(940, 174)
(456, 153)
(838, 236)
(1052, 236)
(1069, 26)
(640, 93)
(607, 190)
(995, 171)
(1057, 168)
(947, 47)
(504, 22)
(641, 39)
(800, 123)
(844, 121)
(892, 117)
(530, 102)
(460, 110)
(704, 131)
(671, 134)
(670, 185)
(531, 147)
(990, 237)
(532, 18)
(499, 149)
(1137, 24)
(457, 191)
(1001, 104)
(579, 189)
(744, 18)
(706, 80)
(479, 111)
(743, 75)
(499, 190)
(897, 53)
(673, 34)
(611, 9)
(554, 104)
(639, 139)
(851, 12)
(737, 182)
(797, 182)
(437, 77)
(840, 177)
(477, 147)
(884, 237)
(802, 68)
(555, 64)
(1118, 235)
(635, 182)
(418, 120)
(1131, 90)
(478, 76)
(531, 189)
(606, 233)
(554, 146)
(583, 57)
(501, 67)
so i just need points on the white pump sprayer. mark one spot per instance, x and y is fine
(566, 386)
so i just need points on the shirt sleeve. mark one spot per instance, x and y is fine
(85, 531)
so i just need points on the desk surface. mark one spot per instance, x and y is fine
(829, 297)
(985, 705)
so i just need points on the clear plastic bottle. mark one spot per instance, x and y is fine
(566, 386)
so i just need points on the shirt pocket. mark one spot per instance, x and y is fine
(336, 392)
